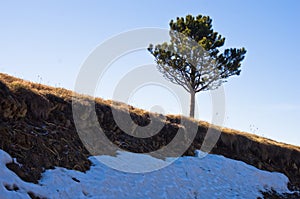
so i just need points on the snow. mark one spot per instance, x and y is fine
(212, 176)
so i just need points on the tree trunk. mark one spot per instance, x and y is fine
(192, 105)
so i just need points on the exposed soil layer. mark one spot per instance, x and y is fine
(37, 128)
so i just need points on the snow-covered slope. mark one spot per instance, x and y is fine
(213, 176)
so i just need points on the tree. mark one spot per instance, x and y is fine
(192, 58)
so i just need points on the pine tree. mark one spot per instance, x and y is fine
(192, 58)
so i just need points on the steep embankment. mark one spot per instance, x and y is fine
(37, 128)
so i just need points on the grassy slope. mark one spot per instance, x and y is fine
(36, 127)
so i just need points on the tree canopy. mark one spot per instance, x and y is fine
(192, 58)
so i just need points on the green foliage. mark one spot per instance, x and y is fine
(192, 58)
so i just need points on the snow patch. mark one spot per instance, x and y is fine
(212, 176)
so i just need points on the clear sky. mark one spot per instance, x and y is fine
(47, 42)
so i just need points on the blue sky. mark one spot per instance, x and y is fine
(47, 42)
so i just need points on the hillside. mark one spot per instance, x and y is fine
(37, 128)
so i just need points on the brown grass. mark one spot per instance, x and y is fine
(258, 151)
(14, 83)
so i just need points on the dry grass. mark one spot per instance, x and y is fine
(258, 151)
(15, 83)
(260, 139)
